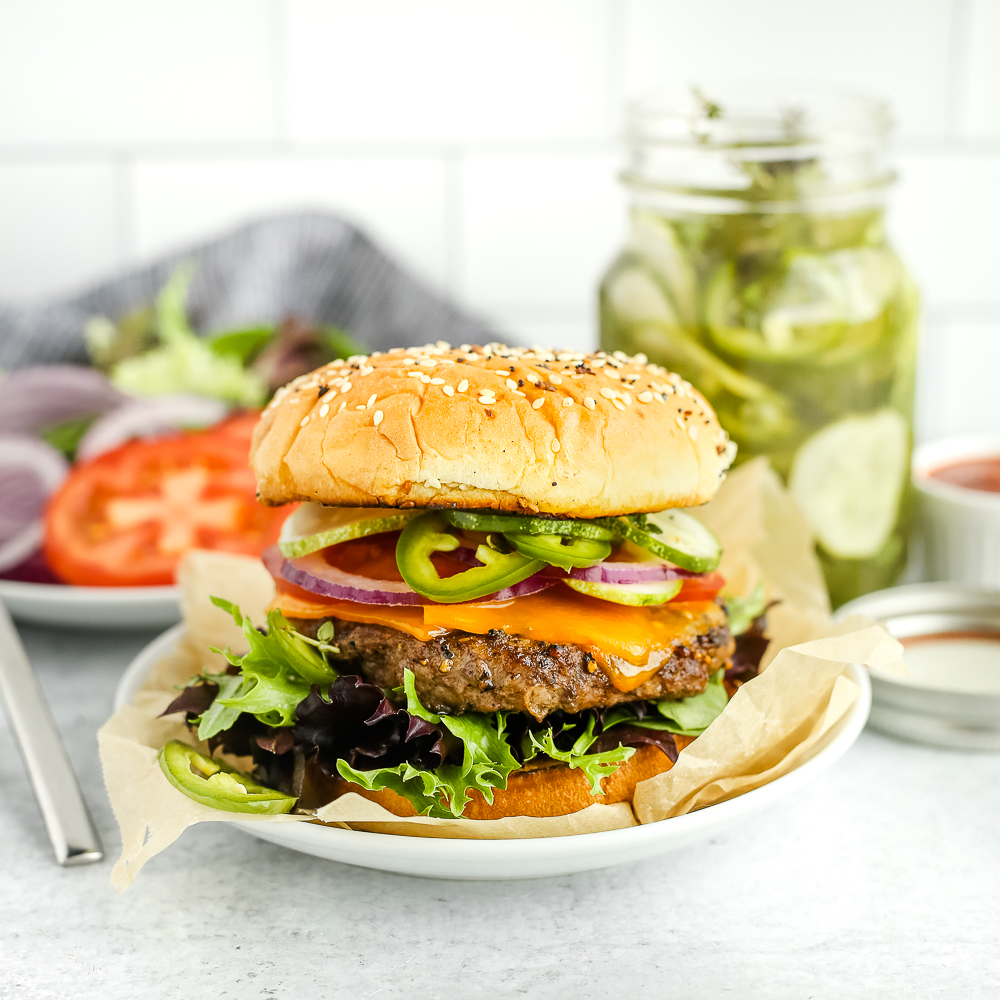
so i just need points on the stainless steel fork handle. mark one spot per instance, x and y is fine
(71, 830)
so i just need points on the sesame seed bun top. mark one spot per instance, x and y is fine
(494, 427)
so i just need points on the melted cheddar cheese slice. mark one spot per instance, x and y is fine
(629, 644)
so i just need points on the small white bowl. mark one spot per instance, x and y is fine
(960, 527)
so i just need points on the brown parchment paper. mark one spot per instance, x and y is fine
(774, 722)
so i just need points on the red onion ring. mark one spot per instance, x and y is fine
(29, 471)
(44, 395)
(147, 417)
(631, 572)
(315, 574)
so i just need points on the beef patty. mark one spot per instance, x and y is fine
(463, 671)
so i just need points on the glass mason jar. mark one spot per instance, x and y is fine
(757, 267)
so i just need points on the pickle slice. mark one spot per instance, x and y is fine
(313, 527)
(473, 520)
(635, 595)
(682, 540)
(848, 479)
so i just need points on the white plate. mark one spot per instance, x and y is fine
(536, 858)
(91, 607)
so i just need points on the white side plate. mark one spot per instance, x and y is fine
(91, 607)
(536, 858)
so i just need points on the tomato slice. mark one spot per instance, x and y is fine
(126, 517)
(701, 588)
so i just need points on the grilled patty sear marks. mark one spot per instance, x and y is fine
(467, 672)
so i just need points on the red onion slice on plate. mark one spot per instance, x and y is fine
(29, 471)
(147, 417)
(315, 574)
(45, 395)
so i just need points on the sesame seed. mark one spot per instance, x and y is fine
(679, 422)
(409, 361)
(568, 401)
(304, 421)
(346, 387)
(555, 379)
(645, 397)
(415, 374)
(607, 393)
(463, 385)
(555, 446)
(589, 403)
(577, 376)
(366, 370)
(377, 418)
(486, 399)
(533, 378)
(428, 362)
(538, 403)
(437, 381)
(371, 400)
(448, 390)
(517, 392)
(425, 379)
(627, 396)
(361, 406)
(341, 409)
(618, 403)
(324, 410)
(693, 432)
(511, 384)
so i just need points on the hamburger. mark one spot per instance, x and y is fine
(490, 600)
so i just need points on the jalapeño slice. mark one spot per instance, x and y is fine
(427, 534)
(563, 551)
(214, 783)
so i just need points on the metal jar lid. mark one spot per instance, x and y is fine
(903, 707)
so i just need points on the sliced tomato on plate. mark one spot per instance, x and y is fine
(126, 517)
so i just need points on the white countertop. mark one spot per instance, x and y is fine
(881, 879)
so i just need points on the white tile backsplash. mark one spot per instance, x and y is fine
(400, 201)
(59, 227)
(958, 378)
(478, 141)
(115, 72)
(945, 221)
(539, 230)
(980, 115)
(896, 49)
(448, 69)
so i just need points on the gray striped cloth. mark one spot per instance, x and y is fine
(314, 265)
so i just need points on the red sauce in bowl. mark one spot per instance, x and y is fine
(973, 474)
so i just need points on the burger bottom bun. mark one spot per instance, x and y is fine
(546, 790)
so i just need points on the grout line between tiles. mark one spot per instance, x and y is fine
(959, 51)
(454, 222)
(124, 207)
(281, 105)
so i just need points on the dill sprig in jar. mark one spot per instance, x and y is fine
(757, 267)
